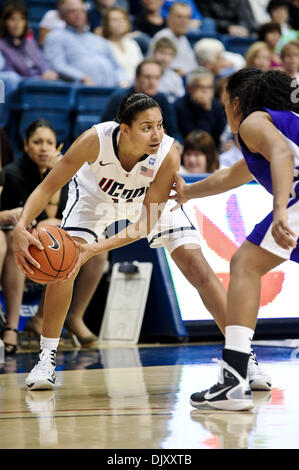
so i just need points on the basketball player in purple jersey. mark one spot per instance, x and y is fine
(262, 108)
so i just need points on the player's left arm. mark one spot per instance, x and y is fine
(262, 136)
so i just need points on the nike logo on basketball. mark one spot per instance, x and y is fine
(56, 244)
(105, 164)
(209, 396)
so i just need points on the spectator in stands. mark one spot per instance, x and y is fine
(198, 109)
(199, 153)
(171, 83)
(196, 16)
(116, 26)
(279, 12)
(150, 21)
(52, 19)
(98, 10)
(290, 59)
(271, 34)
(259, 56)
(178, 24)
(211, 54)
(20, 179)
(22, 54)
(79, 55)
(148, 75)
(233, 17)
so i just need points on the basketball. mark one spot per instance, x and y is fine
(58, 258)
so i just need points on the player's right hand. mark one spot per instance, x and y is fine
(22, 240)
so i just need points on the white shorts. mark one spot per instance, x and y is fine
(80, 219)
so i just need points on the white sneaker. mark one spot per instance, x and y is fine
(42, 376)
(258, 379)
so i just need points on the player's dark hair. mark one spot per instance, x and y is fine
(35, 125)
(132, 105)
(273, 89)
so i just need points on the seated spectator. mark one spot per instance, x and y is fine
(290, 59)
(258, 55)
(116, 25)
(198, 109)
(20, 179)
(148, 75)
(178, 24)
(171, 83)
(98, 10)
(196, 16)
(211, 54)
(79, 55)
(150, 21)
(233, 17)
(22, 55)
(271, 34)
(199, 153)
(279, 12)
(51, 20)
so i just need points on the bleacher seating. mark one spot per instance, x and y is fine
(37, 9)
(90, 103)
(51, 100)
(237, 44)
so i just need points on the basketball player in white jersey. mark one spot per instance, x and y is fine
(119, 171)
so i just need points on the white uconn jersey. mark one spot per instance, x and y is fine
(116, 193)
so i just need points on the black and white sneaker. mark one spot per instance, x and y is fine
(42, 376)
(232, 392)
(258, 378)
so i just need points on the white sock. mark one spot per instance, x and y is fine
(48, 343)
(238, 338)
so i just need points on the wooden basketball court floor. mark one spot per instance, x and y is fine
(137, 397)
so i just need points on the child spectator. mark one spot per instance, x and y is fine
(271, 34)
(290, 59)
(258, 55)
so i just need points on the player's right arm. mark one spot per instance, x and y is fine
(84, 149)
(219, 182)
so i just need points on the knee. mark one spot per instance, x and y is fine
(244, 264)
(198, 274)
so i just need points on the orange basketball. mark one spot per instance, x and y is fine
(59, 256)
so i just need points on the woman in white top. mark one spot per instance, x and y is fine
(116, 27)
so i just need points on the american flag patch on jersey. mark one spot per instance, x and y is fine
(146, 171)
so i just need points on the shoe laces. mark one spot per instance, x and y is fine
(46, 356)
(253, 357)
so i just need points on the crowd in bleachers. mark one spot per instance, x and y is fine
(72, 61)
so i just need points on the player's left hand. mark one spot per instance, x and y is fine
(179, 186)
(85, 252)
(282, 233)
